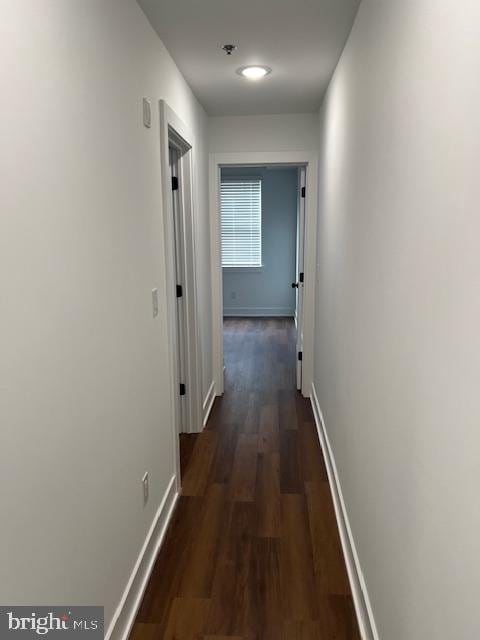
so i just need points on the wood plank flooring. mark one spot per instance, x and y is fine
(253, 551)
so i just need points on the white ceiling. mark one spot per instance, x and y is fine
(301, 40)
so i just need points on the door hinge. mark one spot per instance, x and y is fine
(300, 276)
(179, 290)
(183, 389)
(174, 183)
(300, 355)
(303, 192)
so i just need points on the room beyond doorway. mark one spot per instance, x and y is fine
(259, 238)
(304, 278)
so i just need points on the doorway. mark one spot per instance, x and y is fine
(262, 235)
(304, 268)
(179, 271)
(176, 143)
(299, 282)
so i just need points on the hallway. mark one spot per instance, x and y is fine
(160, 161)
(252, 551)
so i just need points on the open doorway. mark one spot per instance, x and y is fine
(262, 238)
(263, 248)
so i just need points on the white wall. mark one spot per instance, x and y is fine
(291, 132)
(398, 308)
(84, 379)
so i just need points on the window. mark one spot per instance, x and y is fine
(241, 215)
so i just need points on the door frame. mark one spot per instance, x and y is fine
(299, 268)
(308, 159)
(173, 132)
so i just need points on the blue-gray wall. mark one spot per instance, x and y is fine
(268, 291)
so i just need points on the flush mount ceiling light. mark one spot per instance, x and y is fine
(254, 72)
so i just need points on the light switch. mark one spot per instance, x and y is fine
(145, 487)
(147, 113)
(155, 302)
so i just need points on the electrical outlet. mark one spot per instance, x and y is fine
(145, 487)
(234, 295)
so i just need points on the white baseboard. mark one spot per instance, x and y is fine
(363, 608)
(124, 617)
(208, 402)
(258, 311)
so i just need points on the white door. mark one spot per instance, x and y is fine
(299, 283)
(180, 286)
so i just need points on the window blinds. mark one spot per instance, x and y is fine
(241, 218)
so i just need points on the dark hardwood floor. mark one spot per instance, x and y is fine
(252, 551)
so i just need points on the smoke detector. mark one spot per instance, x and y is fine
(229, 48)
